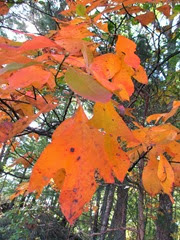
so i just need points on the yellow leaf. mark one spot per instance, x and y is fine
(106, 118)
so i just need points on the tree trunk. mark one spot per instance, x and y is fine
(108, 201)
(119, 217)
(164, 220)
(141, 220)
(96, 216)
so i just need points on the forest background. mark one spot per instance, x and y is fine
(115, 173)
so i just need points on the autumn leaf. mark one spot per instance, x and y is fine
(10, 129)
(87, 55)
(140, 75)
(150, 178)
(70, 60)
(33, 75)
(86, 86)
(81, 10)
(164, 116)
(176, 170)
(157, 135)
(79, 149)
(146, 18)
(37, 42)
(166, 176)
(127, 47)
(118, 159)
(104, 68)
(20, 190)
(24, 160)
(165, 9)
(106, 118)
(70, 37)
(3, 8)
(122, 80)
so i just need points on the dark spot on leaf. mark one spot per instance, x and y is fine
(75, 201)
(92, 184)
(72, 149)
(112, 119)
(78, 158)
(110, 80)
(75, 190)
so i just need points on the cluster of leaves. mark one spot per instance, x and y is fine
(33, 72)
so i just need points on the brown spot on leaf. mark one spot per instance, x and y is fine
(75, 190)
(78, 158)
(72, 149)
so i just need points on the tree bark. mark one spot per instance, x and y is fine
(119, 217)
(108, 200)
(164, 220)
(141, 220)
(96, 216)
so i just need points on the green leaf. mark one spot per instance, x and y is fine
(176, 8)
(86, 86)
(10, 4)
(81, 10)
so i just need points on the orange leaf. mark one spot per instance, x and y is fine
(176, 169)
(25, 161)
(127, 47)
(166, 176)
(150, 179)
(104, 68)
(12, 129)
(59, 178)
(74, 61)
(140, 75)
(156, 135)
(165, 9)
(118, 159)
(71, 37)
(87, 55)
(146, 18)
(33, 75)
(20, 190)
(123, 77)
(3, 8)
(172, 149)
(164, 116)
(162, 134)
(37, 42)
(79, 149)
